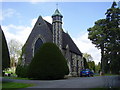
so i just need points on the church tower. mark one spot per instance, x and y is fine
(57, 28)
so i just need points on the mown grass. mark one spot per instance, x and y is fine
(110, 74)
(14, 85)
(104, 89)
(16, 78)
(106, 74)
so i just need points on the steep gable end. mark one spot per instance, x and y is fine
(40, 30)
(40, 27)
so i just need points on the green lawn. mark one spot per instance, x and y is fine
(104, 89)
(107, 75)
(110, 74)
(14, 85)
(16, 78)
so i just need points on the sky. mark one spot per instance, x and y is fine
(18, 18)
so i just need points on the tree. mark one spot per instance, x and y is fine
(5, 53)
(98, 67)
(91, 65)
(22, 71)
(87, 56)
(85, 63)
(98, 37)
(48, 63)
(15, 51)
(88, 61)
(105, 34)
(113, 32)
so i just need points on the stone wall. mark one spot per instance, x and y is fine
(75, 62)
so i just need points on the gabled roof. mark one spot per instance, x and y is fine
(49, 25)
(67, 40)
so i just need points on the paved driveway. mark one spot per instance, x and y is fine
(74, 82)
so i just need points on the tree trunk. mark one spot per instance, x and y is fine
(102, 59)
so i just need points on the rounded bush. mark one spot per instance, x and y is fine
(21, 71)
(48, 63)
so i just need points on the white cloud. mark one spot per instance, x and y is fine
(48, 18)
(34, 1)
(7, 13)
(21, 32)
(85, 46)
(33, 21)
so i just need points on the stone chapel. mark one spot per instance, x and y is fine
(43, 32)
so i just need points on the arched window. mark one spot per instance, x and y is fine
(38, 44)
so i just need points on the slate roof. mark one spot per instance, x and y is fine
(67, 40)
(49, 25)
(72, 46)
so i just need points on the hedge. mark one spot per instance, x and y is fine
(48, 63)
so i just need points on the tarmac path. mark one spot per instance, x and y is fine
(74, 82)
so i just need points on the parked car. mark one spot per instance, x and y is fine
(86, 72)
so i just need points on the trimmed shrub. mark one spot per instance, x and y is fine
(48, 63)
(5, 53)
(21, 71)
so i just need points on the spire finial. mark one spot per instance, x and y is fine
(56, 5)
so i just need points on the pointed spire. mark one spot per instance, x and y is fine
(57, 13)
(56, 5)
